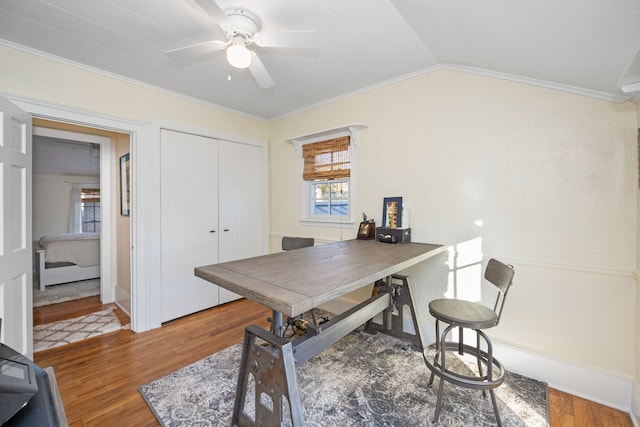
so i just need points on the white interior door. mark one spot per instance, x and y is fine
(189, 221)
(16, 274)
(241, 209)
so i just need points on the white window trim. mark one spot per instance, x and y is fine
(307, 218)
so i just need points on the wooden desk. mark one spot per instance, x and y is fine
(294, 282)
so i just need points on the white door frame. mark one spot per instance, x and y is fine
(107, 197)
(142, 310)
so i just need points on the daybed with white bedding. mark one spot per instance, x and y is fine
(68, 258)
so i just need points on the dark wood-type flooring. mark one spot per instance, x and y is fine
(99, 378)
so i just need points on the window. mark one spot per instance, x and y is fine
(90, 209)
(328, 177)
(330, 198)
(327, 169)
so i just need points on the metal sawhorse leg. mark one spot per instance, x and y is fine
(267, 389)
(269, 360)
(392, 317)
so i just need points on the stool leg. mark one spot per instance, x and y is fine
(495, 407)
(439, 401)
(479, 360)
(435, 359)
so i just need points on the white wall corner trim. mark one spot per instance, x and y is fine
(611, 97)
(635, 407)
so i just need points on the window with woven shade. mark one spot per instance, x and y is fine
(327, 170)
(327, 160)
(328, 175)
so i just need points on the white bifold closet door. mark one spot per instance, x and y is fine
(212, 211)
(189, 221)
(240, 205)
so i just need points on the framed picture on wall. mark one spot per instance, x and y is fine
(125, 186)
(392, 212)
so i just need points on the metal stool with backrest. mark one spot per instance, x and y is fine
(470, 315)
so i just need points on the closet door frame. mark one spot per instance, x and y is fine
(152, 198)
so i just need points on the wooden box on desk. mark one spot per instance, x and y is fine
(393, 235)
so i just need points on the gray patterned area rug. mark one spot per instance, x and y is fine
(362, 380)
(64, 291)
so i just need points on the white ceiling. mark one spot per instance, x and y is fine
(587, 46)
(56, 156)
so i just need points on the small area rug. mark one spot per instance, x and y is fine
(64, 292)
(362, 380)
(55, 334)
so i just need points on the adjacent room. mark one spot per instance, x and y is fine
(324, 180)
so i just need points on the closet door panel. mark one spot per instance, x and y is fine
(189, 221)
(241, 210)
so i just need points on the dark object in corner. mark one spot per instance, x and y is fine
(393, 235)
(25, 396)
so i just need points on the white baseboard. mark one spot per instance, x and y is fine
(635, 407)
(123, 300)
(588, 383)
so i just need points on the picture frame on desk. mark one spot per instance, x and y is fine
(392, 212)
(366, 231)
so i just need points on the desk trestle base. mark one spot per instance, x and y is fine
(268, 368)
(392, 317)
(267, 391)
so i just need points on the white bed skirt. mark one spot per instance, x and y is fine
(69, 273)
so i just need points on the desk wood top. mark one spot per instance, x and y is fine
(296, 281)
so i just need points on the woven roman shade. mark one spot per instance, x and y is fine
(90, 195)
(326, 159)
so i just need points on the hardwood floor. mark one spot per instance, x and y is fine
(99, 377)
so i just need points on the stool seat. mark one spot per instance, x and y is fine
(465, 314)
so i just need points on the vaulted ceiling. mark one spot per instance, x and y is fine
(590, 47)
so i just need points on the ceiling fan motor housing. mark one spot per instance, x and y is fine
(241, 22)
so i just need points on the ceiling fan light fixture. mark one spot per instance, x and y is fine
(238, 56)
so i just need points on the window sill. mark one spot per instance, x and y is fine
(328, 222)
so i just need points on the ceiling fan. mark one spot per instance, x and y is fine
(242, 29)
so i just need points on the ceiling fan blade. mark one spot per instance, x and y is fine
(211, 8)
(197, 49)
(259, 72)
(293, 39)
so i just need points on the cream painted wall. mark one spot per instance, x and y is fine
(542, 179)
(32, 76)
(51, 203)
(58, 89)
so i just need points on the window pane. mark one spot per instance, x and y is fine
(340, 198)
(90, 217)
(330, 198)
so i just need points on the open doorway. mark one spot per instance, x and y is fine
(80, 159)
